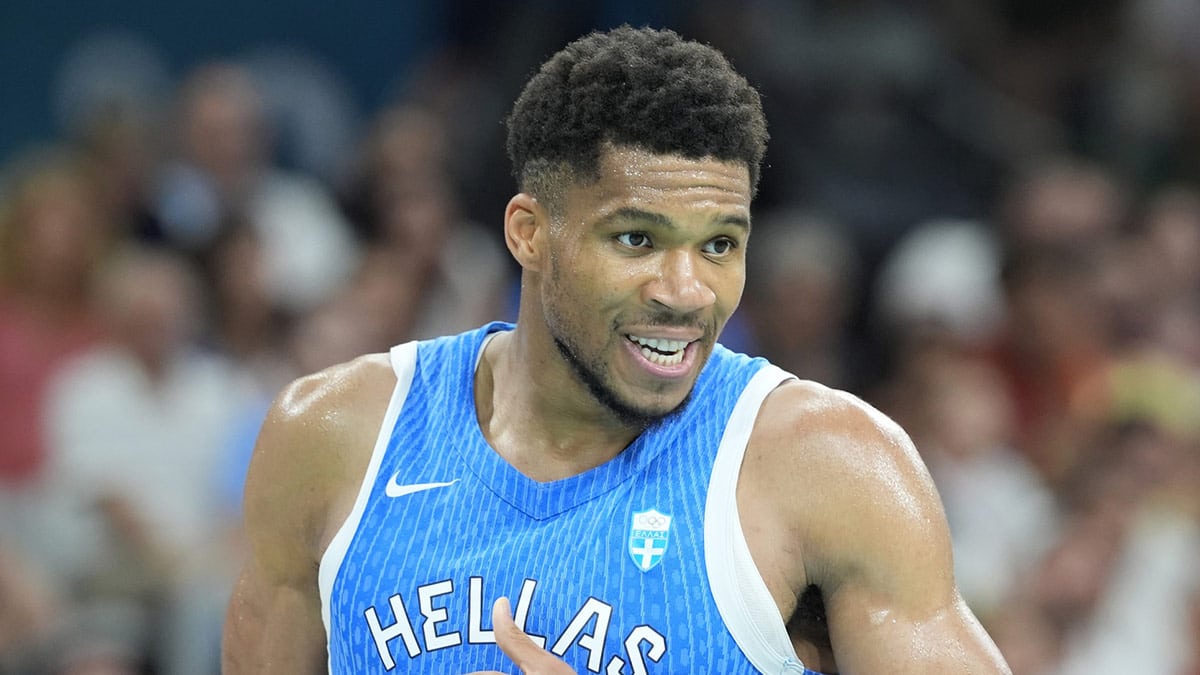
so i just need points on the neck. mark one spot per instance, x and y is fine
(537, 415)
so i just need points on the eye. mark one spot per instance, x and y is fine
(720, 246)
(634, 239)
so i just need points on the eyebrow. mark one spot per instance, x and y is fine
(662, 221)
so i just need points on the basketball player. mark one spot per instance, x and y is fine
(602, 487)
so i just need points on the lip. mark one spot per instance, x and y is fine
(676, 371)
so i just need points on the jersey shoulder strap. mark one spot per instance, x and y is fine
(742, 598)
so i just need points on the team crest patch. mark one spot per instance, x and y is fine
(648, 535)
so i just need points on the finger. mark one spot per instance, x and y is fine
(513, 641)
(519, 648)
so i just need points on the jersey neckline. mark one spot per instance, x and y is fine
(541, 500)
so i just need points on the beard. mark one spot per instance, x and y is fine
(594, 378)
(591, 370)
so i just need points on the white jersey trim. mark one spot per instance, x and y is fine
(741, 595)
(404, 365)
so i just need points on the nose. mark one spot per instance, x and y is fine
(678, 285)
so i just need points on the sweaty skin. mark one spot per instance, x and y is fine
(832, 495)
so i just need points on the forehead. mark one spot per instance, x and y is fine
(630, 177)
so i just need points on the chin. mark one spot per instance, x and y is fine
(646, 416)
(642, 408)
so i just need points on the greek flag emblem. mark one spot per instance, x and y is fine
(648, 534)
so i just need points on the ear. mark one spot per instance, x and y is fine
(525, 225)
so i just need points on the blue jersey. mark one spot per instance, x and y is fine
(636, 566)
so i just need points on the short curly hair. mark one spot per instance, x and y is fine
(636, 87)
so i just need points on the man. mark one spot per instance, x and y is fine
(650, 501)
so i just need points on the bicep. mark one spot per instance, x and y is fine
(878, 546)
(894, 606)
(878, 632)
(273, 623)
(272, 627)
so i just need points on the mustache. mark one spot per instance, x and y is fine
(669, 319)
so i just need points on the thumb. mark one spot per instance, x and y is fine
(519, 648)
(512, 640)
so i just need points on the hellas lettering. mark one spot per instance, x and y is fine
(588, 629)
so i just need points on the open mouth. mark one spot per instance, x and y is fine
(661, 351)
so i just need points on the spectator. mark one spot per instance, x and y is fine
(137, 428)
(243, 321)
(1118, 586)
(51, 239)
(454, 273)
(803, 286)
(1058, 224)
(224, 169)
(1002, 515)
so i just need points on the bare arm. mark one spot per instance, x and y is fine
(877, 543)
(274, 624)
(307, 464)
(272, 627)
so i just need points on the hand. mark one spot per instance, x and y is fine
(516, 645)
(29, 608)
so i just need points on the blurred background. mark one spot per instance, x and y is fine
(982, 216)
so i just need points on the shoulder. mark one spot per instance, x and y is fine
(312, 451)
(336, 394)
(827, 428)
(319, 422)
(845, 477)
(861, 521)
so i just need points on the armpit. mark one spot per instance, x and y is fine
(808, 622)
(809, 632)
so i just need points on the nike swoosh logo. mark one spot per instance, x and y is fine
(394, 489)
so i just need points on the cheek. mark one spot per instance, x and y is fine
(578, 279)
(565, 293)
(582, 302)
(738, 287)
(729, 292)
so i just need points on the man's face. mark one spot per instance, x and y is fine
(645, 266)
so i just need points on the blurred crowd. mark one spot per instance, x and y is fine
(982, 217)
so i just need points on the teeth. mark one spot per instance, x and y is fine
(660, 344)
(660, 350)
(662, 359)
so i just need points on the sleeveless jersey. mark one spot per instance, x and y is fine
(637, 566)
